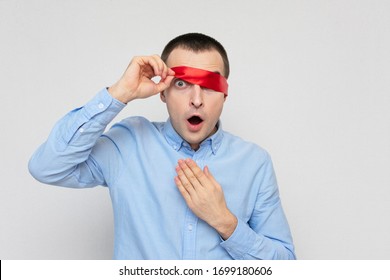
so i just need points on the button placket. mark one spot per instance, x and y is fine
(189, 240)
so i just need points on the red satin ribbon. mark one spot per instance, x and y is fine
(202, 77)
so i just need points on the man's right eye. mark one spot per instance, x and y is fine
(180, 83)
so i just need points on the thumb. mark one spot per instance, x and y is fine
(207, 172)
(163, 84)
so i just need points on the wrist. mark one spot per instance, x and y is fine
(120, 94)
(226, 226)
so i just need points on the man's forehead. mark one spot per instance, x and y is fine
(209, 60)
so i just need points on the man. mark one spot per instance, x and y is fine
(181, 189)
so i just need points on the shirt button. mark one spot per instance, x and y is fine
(81, 130)
(101, 105)
(190, 227)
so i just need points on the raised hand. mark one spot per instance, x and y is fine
(136, 82)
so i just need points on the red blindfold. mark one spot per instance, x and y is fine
(202, 78)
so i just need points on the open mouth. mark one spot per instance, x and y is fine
(195, 120)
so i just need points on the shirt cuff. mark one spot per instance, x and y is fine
(103, 102)
(240, 242)
(93, 117)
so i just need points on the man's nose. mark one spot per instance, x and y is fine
(197, 96)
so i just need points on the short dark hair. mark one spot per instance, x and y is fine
(197, 42)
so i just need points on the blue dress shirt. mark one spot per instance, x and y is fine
(136, 160)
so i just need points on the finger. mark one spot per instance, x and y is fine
(165, 70)
(160, 65)
(171, 72)
(212, 179)
(184, 180)
(152, 63)
(182, 189)
(164, 84)
(190, 175)
(198, 173)
(209, 175)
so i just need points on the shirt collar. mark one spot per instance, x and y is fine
(177, 142)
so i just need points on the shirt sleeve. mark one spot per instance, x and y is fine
(267, 234)
(65, 157)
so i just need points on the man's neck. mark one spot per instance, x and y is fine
(196, 146)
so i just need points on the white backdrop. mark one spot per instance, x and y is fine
(310, 82)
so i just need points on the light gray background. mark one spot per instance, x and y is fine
(309, 83)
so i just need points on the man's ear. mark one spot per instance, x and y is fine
(162, 96)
